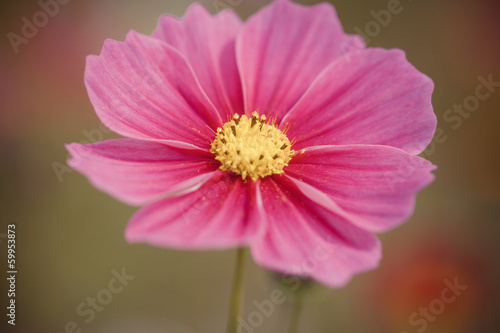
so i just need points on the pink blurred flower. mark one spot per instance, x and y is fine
(305, 190)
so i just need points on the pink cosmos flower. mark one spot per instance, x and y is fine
(282, 134)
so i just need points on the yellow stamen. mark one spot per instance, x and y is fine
(249, 150)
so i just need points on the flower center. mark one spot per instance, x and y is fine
(251, 147)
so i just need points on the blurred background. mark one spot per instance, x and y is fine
(70, 236)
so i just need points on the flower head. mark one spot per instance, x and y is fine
(248, 146)
(283, 134)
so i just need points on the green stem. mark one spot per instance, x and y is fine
(236, 292)
(294, 316)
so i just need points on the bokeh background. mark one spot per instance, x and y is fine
(70, 235)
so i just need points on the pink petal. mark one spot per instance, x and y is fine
(217, 215)
(283, 48)
(145, 89)
(137, 172)
(373, 96)
(304, 238)
(207, 42)
(375, 186)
